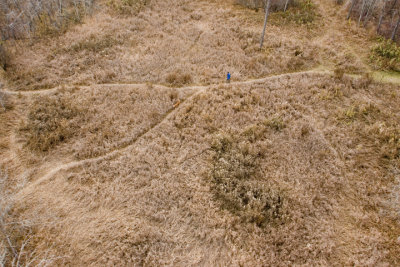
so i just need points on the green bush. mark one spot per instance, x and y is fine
(303, 12)
(386, 55)
(127, 7)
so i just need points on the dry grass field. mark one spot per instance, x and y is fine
(121, 144)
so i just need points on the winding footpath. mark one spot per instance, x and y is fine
(168, 115)
(120, 150)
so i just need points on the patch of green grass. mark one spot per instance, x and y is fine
(127, 7)
(303, 12)
(386, 55)
(364, 111)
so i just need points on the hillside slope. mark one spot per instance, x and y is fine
(132, 150)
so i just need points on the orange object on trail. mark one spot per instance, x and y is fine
(177, 104)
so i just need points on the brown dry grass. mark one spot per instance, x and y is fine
(88, 122)
(261, 173)
(201, 43)
(297, 169)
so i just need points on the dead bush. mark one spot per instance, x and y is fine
(365, 80)
(5, 101)
(178, 78)
(338, 73)
(236, 179)
(275, 123)
(51, 120)
(256, 4)
(3, 57)
(16, 234)
(29, 78)
(127, 7)
(93, 44)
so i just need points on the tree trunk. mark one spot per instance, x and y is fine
(286, 4)
(351, 8)
(371, 7)
(381, 17)
(362, 12)
(265, 22)
(394, 4)
(395, 29)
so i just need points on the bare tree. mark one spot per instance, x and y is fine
(362, 11)
(396, 28)
(351, 8)
(286, 5)
(371, 7)
(19, 19)
(381, 16)
(394, 4)
(267, 7)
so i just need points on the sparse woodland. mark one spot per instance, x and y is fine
(383, 15)
(35, 19)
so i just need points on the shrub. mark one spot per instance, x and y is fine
(275, 123)
(386, 55)
(236, 179)
(16, 242)
(178, 78)
(127, 6)
(303, 12)
(5, 102)
(3, 56)
(360, 112)
(50, 121)
(338, 73)
(365, 80)
(93, 44)
(256, 4)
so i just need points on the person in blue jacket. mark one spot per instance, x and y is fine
(228, 78)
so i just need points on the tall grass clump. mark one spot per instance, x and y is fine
(4, 57)
(237, 179)
(178, 78)
(5, 101)
(51, 120)
(16, 234)
(127, 7)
